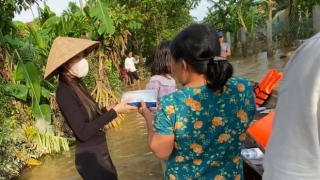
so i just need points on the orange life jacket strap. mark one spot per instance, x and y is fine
(263, 92)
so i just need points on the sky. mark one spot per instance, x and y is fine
(58, 6)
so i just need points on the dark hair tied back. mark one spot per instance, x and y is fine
(218, 73)
(199, 46)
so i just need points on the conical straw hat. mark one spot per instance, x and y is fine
(65, 48)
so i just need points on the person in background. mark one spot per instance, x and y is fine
(293, 150)
(161, 79)
(225, 47)
(124, 75)
(84, 35)
(82, 113)
(201, 127)
(129, 65)
(160, 71)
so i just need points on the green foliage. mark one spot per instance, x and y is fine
(29, 73)
(18, 144)
(113, 76)
(5, 114)
(90, 80)
(7, 10)
(28, 53)
(100, 13)
(46, 13)
(160, 20)
(9, 7)
(230, 16)
(71, 23)
(12, 139)
(10, 164)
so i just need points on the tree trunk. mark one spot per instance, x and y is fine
(270, 10)
(286, 30)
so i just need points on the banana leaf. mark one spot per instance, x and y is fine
(45, 93)
(42, 113)
(101, 14)
(13, 41)
(29, 73)
(17, 90)
(39, 41)
(43, 119)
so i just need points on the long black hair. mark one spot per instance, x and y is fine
(199, 46)
(80, 89)
(160, 62)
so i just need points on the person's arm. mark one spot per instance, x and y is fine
(160, 130)
(136, 61)
(81, 127)
(228, 52)
(108, 108)
(104, 110)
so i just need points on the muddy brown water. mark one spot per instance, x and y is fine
(128, 143)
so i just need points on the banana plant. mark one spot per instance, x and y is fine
(46, 13)
(26, 84)
(26, 71)
(70, 23)
(39, 42)
(100, 14)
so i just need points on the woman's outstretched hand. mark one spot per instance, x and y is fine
(123, 107)
(112, 105)
(144, 111)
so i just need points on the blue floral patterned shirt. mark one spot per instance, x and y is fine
(209, 129)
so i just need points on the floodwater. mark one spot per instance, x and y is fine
(128, 143)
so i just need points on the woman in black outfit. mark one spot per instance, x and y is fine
(82, 113)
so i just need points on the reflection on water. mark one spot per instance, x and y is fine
(256, 67)
(128, 143)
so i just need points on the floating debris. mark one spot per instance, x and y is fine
(33, 162)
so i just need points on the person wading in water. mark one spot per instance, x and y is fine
(82, 113)
(225, 47)
(129, 65)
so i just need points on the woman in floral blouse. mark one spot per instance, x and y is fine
(201, 127)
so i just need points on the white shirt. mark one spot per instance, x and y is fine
(293, 151)
(129, 64)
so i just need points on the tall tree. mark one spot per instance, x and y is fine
(157, 20)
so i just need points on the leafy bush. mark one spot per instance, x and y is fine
(5, 113)
(115, 82)
(90, 80)
(9, 163)
(13, 158)
(15, 148)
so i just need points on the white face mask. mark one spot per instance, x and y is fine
(80, 69)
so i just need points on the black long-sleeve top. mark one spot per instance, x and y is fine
(87, 132)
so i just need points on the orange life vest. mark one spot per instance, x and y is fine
(264, 89)
(261, 130)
